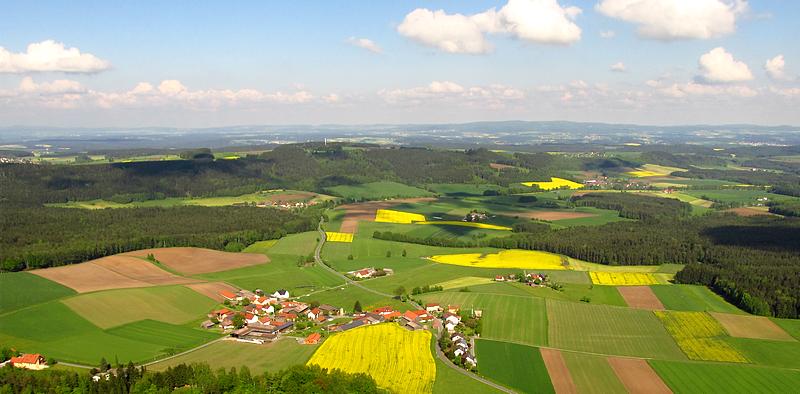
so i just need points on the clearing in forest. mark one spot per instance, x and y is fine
(623, 278)
(755, 327)
(555, 183)
(699, 336)
(398, 359)
(193, 261)
(640, 297)
(521, 259)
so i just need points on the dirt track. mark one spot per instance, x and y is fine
(192, 261)
(637, 376)
(640, 297)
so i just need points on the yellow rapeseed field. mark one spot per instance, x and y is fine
(555, 183)
(522, 259)
(699, 336)
(338, 237)
(644, 173)
(399, 360)
(484, 226)
(623, 278)
(390, 216)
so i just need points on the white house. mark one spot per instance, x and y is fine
(281, 294)
(432, 308)
(452, 318)
(450, 326)
(470, 359)
(459, 352)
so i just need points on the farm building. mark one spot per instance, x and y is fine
(330, 310)
(29, 361)
(313, 339)
(281, 294)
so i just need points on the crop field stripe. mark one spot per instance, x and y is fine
(338, 237)
(692, 298)
(520, 367)
(637, 376)
(713, 378)
(15, 294)
(754, 327)
(640, 297)
(699, 336)
(623, 278)
(592, 374)
(558, 371)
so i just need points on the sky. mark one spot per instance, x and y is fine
(211, 63)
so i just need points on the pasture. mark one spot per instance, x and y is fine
(608, 330)
(464, 281)
(346, 297)
(516, 366)
(771, 353)
(592, 374)
(693, 298)
(377, 191)
(15, 290)
(694, 377)
(169, 304)
(398, 359)
(269, 357)
(699, 336)
(194, 261)
(520, 259)
(502, 315)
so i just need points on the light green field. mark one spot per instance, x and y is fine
(21, 289)
(281, 272)
(56, 331)
(251, 198)
(692, 298)
(377, 190)
(742, 196)
(169, 336)
(447, 378)
(792, 326)
(169, 304)
(260, 247)
(592, 374)
(465, 281)
(346, 298)
(606, 295)
(258, 358)
(769, 353)
(509, 318)
(581, 265)
(609, 330)
(693, 377)
(301, 244)
(517, 366)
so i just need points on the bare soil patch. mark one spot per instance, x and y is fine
(549, 215)
(193, 261)
(640, 297)
(558, 371)
(86, 277)
(212, 289)
(637, 376)
(366, 211)
(136, 268)
(745, 211)
(755, 327)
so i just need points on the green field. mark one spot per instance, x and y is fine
(606, 295)
(301, 244)
(517, 366)
(56, 331)
(169, 304)
(692, 298)
(609, 330)
(251, 198)
(260, 247)
(686, 377)
(281, 272)
(509, 318)
(592, 374)
(792, 326)
(742, 196)
(447, 378)
(377, 191)
(461, 189)
(769, 353)
(21, 289)
(347, 296)
(258, 358)
(169, 336)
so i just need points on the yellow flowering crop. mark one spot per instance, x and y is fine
(522, 259)
(398, 359)
(623, 278)
(338, 237)
(390, 216)
(555, 183)
(699, 336)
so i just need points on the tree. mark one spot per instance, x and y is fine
(388, 253)
(404, 253)
(238, 321)
(399, 291)
(357, 307)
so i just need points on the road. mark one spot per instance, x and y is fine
(348, 281)
(440, 354)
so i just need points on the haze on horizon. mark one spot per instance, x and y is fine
(205, 64)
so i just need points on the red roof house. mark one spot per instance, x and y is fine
(313, 339)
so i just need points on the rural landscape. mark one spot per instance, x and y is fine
(405, 197)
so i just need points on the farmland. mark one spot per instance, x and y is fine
(699, 336)
(13, 294)
(377, 191)
(396, 358)
(522, 259)
(517, 366)
(592, 374)
(683, 377)
(692, 298)
(623, 278)
(390, 216)
(338, 237)
(229, 354)
(263, 197)
(555, 183)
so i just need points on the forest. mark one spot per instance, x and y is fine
(195, 378)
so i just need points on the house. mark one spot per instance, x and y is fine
(499, 278)
(363, 273)
(451, 318)
(321, 319)
(228, 295)
(450, 327)
(227, 323)
(455, 337)
(392, 316)
(373, 318)
(35, 362)
(312, 314)
(330, 310)
(250, 318)
(242, 294)
(207, 324)
(459, 352)
(432, 308)
(313, 339)
(453, 309)
(281, 294)
(264, 320)
(287, 316)
(412, 326)
(477, 313)
(470, 359)
(352, 324)
(221, 314)
(384, 310)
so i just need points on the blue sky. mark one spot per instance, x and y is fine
(271, 62)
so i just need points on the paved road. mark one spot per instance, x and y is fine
(318, 260)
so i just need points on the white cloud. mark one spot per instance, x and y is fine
(59, 86)
(451, 93)
(365, 43)
(607, 34)
(50, 56)
(538, 21)
(719, 66)
(776, 68)
(682, 90)
(618, 67)
(677, 19)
